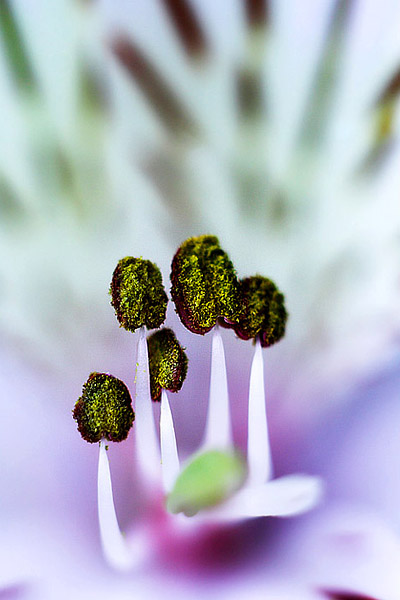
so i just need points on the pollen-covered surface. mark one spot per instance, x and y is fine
(167, 362)
(104, 410)
(204, 284)
(137, 294)
(264, 313)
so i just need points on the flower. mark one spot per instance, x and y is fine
(215, 484)
(277, 130)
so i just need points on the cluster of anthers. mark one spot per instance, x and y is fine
(217, 484)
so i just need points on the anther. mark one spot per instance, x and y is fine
(204, 284)
(104, 411)
(264, 315)
(137, 294)
(167, 362)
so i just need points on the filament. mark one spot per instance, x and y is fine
(258, 447)
(114, 545)
(169, 452)
(147, 448)
(218, 429)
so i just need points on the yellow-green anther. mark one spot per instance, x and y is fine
(207, 481)
(137, 294)
(104, 410)
(264, 314)
(204, 284)
(167, 362)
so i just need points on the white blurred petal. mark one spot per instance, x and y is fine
(297, 43)
(55, 57)
(283, 497)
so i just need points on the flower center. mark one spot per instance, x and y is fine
(217, 482)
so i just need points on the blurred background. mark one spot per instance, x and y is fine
(127, 127)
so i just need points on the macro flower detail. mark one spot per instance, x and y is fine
(137, 294)
(265, 314)
(204, 284)
(128, 127)
(104, 411)
(168, 362)
(216, 484)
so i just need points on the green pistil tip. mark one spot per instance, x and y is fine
(204, 284)
(167, 362)
(208, 480)
(104, 410)
(265, 314)
(137, 294)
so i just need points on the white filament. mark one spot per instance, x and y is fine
(114, 545)
(218, 429)
(169, 452)
(147, 449)
(258, 448)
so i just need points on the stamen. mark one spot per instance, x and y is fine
(168, 363)
(206, 292)
(104, 410)
(218, 429)
(137, 294)
(204, 285)
(147, 450)
(169, 452)
(114, 545)
(167, 367)
(264, 313)
(258, 448)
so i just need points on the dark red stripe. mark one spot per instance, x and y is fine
(391, 90)
(249, 91)
(187, 25)
(256, 12)
(157, 91)
(344, 595)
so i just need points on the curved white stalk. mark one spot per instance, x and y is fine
(147, 448)
(115, 548)
(218, 429)
(169, 452)
(284, 497)
(258, 448)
